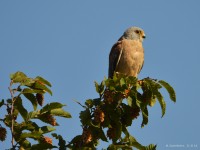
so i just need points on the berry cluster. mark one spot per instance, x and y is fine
(40, 99)
(108, 96)
(47, 140)
(111, 133)
(126, 93)
(51, 120)
(3, 133)
(86, 136)
(99, 115)
(135, 112)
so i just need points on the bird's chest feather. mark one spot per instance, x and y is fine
(132, 52)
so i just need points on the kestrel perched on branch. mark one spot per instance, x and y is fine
(127, 54)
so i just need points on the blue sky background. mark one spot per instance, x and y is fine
(68, 43)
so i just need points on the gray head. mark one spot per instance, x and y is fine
(134, 33)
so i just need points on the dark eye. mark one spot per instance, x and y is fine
(137, 31)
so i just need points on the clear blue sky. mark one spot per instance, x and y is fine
(68, 44)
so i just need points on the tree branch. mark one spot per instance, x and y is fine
(12, 108)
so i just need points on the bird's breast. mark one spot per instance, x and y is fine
(132, 57)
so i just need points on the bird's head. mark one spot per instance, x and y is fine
(134, 33)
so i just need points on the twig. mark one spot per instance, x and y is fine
(12, 108)
(80, 104)
(151, 79)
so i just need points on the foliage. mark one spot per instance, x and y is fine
(106, 118)
(24, 129)
(121, 100)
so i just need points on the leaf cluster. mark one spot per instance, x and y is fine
(121, 100)
(33, 90)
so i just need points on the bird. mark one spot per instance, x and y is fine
(127, 54)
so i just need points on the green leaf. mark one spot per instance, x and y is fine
(109, 83)
(61, 141)
(150, 147)
(34, 135)
(9, 101)
(132, 80)
(32, 99)
(99, 88)
(18, 104)
(46, 129)
(51, 106)
(33, 114)
(47, 118)
(40, 86)
(18, 77)
(147, 88)
(42, 146)
(131, 141)
(43, 81)
(97, 101)
(2, 103)
(28, 90)
(118, 130)
(29, 125)
(144, 116)
(102, 135)
(122, 82)
(8, 120)
(16, 112)
(125, 131)
(115, 77)
(89, 103)
(126, 118)
(27, 82)
(85, 117)
(135, 143)
(76, 139)
(170, 90)
(25, 144)
(152, 102)
(60, 112)
(161, 101)
(129, 101)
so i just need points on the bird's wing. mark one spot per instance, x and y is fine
(114, 58)
(141, 67)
